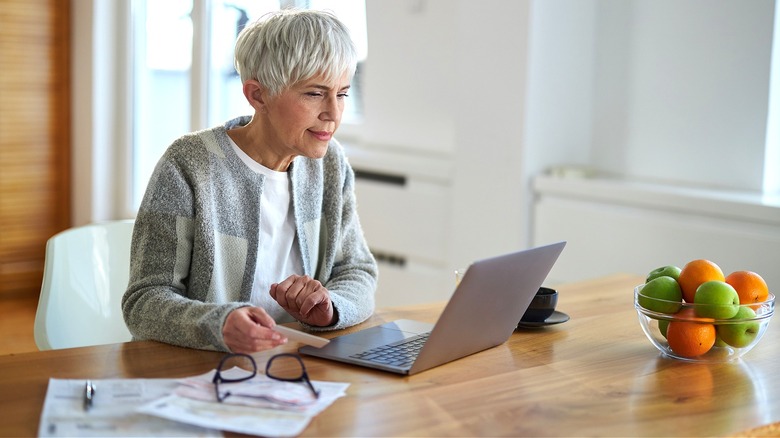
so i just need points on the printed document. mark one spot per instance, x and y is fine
(259, 406)
(112, 412)
(183, 407)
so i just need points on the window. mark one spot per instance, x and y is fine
(183, 75)
(772, 153)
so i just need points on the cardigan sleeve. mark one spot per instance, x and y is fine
(159, 303)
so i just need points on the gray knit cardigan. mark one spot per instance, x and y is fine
(195, 240)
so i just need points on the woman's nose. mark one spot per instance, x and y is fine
(331, 109)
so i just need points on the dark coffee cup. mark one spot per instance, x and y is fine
(542, 305)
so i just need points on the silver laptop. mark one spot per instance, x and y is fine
(483, 312)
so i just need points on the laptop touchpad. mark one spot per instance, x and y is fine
(384, 334)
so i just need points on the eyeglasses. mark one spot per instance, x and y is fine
(285, 367)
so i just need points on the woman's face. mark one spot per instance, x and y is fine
(303, 117)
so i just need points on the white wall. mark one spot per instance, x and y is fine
(410, 75)
(489, 181)
(445, 80)
(671, 91)
(559, 119)
(674, 108)
(445, 103)
(689, 82)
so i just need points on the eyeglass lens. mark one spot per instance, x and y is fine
(225, 363)
(289, 368)
(285, 368)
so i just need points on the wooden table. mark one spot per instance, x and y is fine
(596, 374)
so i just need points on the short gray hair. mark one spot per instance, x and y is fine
(292, 45)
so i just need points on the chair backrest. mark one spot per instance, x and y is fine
(85, 275)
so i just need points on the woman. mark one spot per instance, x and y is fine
(255, 222)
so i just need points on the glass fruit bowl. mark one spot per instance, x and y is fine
(686, 335)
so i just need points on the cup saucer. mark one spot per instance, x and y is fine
(556, 318)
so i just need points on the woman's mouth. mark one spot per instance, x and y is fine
(322, 135)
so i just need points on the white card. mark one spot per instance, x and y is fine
(305, 338)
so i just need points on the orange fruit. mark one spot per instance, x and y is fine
(689, 314)
(750, 287)
(690, 339)
(696, 272)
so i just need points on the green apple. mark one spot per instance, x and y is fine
(663, 324)
(661, 294)
(668, 271)
(740, 334)
(716, 299)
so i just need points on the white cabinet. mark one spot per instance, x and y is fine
(410, 219)
(404, 203)
(618, 225)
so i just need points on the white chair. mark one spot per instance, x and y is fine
(85, 275)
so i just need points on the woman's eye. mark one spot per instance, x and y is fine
(319, 94)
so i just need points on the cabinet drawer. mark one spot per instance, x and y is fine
(413, 283)
(405, 218)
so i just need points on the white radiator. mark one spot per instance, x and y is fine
(620, 226)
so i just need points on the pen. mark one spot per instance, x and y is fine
(89, 394)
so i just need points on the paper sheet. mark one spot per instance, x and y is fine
(236, 415)
(182, 407)
(113, 412)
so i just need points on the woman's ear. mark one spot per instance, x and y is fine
(255, 94)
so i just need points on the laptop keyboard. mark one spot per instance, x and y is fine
(399, 354)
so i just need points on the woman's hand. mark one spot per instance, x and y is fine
(305, 298)
(250, 329)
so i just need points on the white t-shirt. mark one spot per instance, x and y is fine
(278, 253)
